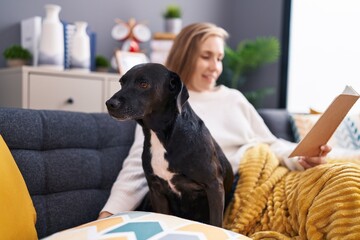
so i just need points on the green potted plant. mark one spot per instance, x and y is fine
(172, 17)
(101, 63)
(172, 11)
(16, 55)
(247, 57)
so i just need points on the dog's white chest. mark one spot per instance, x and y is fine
(159, 164)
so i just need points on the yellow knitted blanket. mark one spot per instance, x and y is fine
(271, 202)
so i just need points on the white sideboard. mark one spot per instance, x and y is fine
(70, 90)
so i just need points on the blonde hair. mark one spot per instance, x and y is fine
(183, 54)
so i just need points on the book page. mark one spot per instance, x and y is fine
(324, 128)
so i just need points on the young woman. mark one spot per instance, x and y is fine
(196, 56)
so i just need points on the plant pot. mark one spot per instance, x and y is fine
(16, 62)
(173, 25)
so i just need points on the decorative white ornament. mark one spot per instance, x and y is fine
(80, 47)
(141, 32)
(120, 31)
(51, 50)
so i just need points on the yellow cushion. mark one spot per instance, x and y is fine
(17, 213)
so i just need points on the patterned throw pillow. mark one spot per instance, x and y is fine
(347, 134)
(145, 225)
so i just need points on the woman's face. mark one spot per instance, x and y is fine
(208, 66)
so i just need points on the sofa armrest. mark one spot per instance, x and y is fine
(279, 122)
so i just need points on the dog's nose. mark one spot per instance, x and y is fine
(112, 104)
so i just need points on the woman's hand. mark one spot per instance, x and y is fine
(104, 215)
(309, 162)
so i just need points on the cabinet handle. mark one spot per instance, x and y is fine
(70, 101)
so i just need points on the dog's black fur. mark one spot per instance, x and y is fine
(200, 175)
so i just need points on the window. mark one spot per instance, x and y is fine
(324, 52)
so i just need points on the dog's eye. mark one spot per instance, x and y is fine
(143, 85)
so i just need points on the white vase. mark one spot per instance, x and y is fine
(173, 25)
(80, 48)
(51, 50)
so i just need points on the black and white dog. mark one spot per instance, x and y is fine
(187, 172)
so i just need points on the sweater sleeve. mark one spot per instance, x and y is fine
(282, 150)
(280, 147)
(130, 186)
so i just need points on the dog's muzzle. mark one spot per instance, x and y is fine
(119, 110)
(114, 107)
(113, 104)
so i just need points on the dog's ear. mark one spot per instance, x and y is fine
(181, 93)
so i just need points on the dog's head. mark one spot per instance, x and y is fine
(146, 89)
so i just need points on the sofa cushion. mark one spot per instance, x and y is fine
(145, 225)
(278, 121)
(69, 161)
(18, 216)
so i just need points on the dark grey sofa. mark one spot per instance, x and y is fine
(279, 123)
(69, 160)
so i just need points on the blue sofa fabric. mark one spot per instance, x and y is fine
(69, 161)
(279, 122)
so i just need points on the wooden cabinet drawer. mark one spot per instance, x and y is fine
(65, 93)
(69, 90)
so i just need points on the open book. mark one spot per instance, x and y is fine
(324, 128)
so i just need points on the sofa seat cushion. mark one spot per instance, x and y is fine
(18, 216)
(145, 225)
